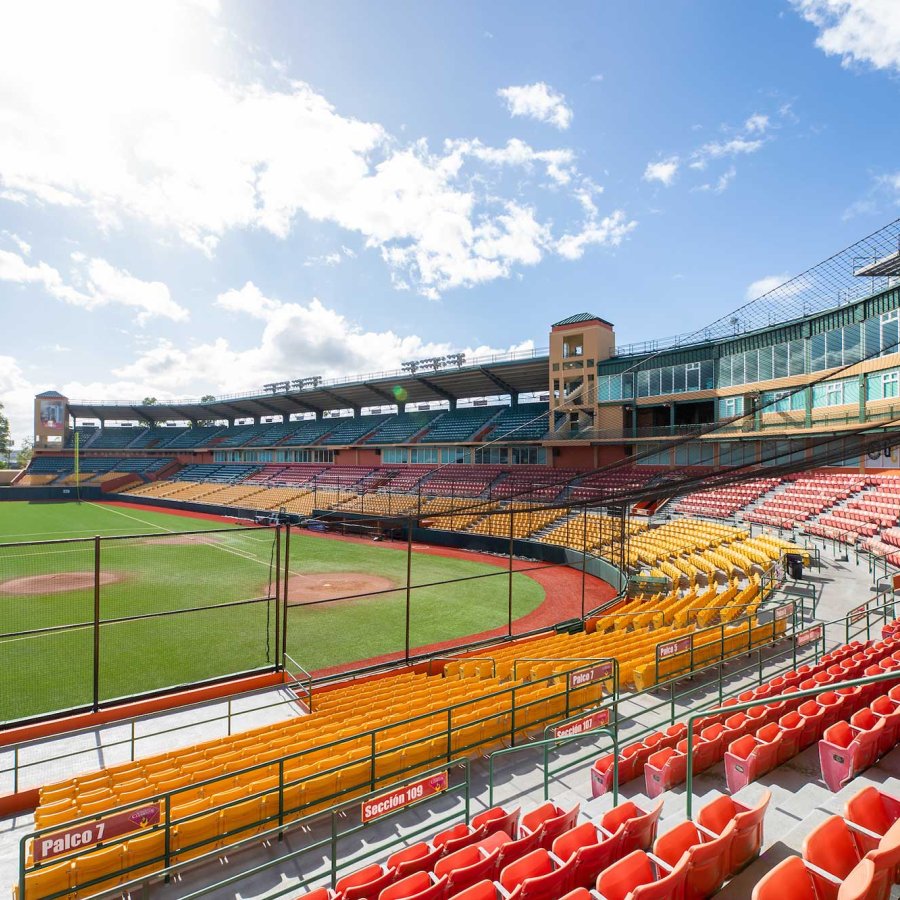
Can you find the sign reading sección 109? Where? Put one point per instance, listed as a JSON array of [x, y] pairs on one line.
[[410, 793], [596, 719], [809, 635], [72, 839], [589, 676]]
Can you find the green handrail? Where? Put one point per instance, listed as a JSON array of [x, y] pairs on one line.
[[761, 701], [604, 730]]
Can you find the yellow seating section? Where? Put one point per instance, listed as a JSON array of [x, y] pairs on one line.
[[525, 520], [34, 480]]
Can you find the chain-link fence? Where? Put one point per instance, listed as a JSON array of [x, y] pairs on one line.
[[83, 622]]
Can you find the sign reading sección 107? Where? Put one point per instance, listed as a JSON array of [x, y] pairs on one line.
[[72, 839], [404, 796], [589, 676], [809, 635], [597, 719]]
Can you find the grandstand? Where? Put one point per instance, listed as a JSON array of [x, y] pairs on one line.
[[691, 474]]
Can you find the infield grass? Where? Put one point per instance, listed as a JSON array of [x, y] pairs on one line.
[[192, 580]]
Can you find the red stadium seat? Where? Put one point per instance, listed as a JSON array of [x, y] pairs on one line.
[[708, 857], [791, 725], [366, 883], [634, 827], [663, 770], [846, 749], [790, 878], [419, 857], [813, 715], [889, 710], [716, 816], [549, 821], [497, 819], [638, 877], [466, 867], [873, 810], [591, 850], [458, 836], [830, 846], [417, 886], [534, 877]]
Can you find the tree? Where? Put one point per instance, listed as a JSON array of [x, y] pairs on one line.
[[207, 398], [24, 455], [147, 401], [5, 439]]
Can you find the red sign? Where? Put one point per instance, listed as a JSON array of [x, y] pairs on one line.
[[784, 611], [672, 647], [896, 582], [411, 793], [809, 636], [597, 719], [589, 676], [50, 845], [858, 612]]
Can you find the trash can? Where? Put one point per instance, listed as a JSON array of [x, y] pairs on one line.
[[794, 563]]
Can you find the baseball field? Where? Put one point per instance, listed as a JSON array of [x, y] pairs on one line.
[[176, 607]]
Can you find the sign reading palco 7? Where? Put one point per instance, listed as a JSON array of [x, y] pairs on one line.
[[410, 793], [597, 719], [589, 676], [59, 842]]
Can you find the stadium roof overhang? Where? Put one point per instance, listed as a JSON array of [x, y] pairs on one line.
[[886, 266], [486, 379]]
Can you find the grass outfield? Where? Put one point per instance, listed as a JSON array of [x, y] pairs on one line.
[[51, 671]]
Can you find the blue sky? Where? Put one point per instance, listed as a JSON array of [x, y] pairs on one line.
[[202, 197]]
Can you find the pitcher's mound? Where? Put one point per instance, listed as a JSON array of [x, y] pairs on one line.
[[55, 584], [330, 585]]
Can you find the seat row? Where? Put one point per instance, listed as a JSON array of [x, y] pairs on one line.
[[849, 857], [548, 856], [666, 751]]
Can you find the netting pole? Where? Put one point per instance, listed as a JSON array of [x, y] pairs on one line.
[[96, 623], [409, 530], [284, 593], [509, 600], [278, 658], [583, 558]]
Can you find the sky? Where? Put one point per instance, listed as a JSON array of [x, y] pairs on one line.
[[201, 197]]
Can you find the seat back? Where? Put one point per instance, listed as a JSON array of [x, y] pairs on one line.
[[533, 864], [874, 811], [831, 847], [622, 877], [790, 878], [748, 832], [639, 828]]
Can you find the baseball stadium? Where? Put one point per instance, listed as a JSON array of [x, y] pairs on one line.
[[587, 621]]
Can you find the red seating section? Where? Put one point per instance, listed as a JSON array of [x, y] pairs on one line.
[[611, 855]]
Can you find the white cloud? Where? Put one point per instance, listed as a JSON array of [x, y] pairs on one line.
[[537, 101], [764, 285], [172, 142], [96, 283], [597, 78], [663, 171], [721, 183], [609, 231], [756, 124], [296, 340], [17, 396], [23, 246], [718, 149], [865, 31]]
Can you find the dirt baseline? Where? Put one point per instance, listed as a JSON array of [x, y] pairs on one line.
[[330, 585], [56, 584]]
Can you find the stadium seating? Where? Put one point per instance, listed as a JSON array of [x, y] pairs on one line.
[[402, 428], [457, 426], [525, 422], [350, 430]]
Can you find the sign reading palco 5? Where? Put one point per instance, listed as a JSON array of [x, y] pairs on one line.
[[50, 845], [411, 793]]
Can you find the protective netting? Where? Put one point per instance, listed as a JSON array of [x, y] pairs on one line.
[[85, 621]]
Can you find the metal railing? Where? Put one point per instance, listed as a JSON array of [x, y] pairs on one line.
[[324, 851], [740, 707], [378, 762]]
